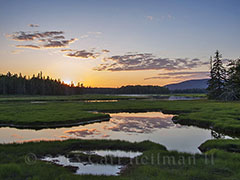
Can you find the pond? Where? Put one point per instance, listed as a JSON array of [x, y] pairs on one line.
[[114, 153], [153, 126], [133, 97], [178, 98], [163, 97], [86, 168]]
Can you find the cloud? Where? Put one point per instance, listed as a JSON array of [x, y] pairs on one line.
[[146, 61], [33, 25], [139, 124], [83, 132], [150, 18], [58, 44], [181, 75], [16, 136], [105, 51], [47, 39], [28, 46], [84, 36], [95, 33], [58, 37], [161, 18], [23, 36], [66, 50], [169, 16], [184, 73], [83, 54], [17, 51]]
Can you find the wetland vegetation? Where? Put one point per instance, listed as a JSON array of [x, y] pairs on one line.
[[155, 162], [220, 116]]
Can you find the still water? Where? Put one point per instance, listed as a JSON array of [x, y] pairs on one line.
[[153, 126], [114, 153], [86, 168]]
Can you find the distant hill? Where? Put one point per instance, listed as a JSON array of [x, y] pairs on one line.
[[190, 84]]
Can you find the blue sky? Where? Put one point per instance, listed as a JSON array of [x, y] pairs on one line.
[[165, 30]]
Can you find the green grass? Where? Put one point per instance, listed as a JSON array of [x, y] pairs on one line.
[[230, 145], [197, 95], [220, 116], [44, 115], [153, 164], [17, 98]]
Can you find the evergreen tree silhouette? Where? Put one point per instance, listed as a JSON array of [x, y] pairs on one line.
[[218, 77]]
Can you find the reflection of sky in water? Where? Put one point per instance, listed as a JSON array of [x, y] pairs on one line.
[[91, 101], [115, 153], [138, 124], [86, 168], [153, 126]]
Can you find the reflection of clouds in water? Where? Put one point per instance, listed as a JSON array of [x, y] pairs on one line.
[[36, 140], [83, 132], [16, 136], [105, 135], [127, 123], [63, 137], [139, 124]]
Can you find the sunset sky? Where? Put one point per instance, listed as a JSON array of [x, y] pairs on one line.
[[110, 43]]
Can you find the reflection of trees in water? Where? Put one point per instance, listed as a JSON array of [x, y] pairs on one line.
[[217, 135]]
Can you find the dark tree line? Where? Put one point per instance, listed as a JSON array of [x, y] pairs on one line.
[[35, 85], [128, 90], [225, 81], [44, 85], [143, 90], [41, 85], [189, 91]]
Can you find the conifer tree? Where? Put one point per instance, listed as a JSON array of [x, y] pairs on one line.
[[218, 76], [232, 86]]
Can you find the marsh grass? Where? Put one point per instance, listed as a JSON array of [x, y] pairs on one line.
[[230, 145], [220, 116], [13, 163], [27, 98]]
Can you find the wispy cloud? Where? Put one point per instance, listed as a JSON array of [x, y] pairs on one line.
[[66, 50], [184, 73], [58, 44], [28, 46], [83, 132], [54, 39], [33, 25], [95, 33], [105, 51], [58, 37], [41, 40], [24, 36], [150, 18], [84, 36], [161, 18], [181, 75], [17, 51], [146, 61], [83, 54]]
